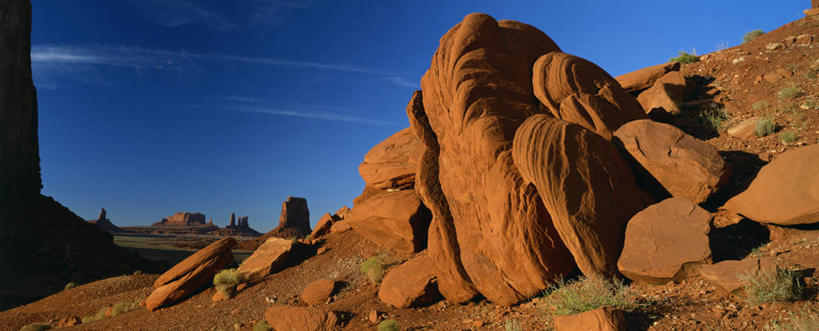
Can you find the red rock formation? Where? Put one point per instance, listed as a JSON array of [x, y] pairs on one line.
[[411, 284], [490, 232], [181, 219], [103, 223], [391, 164], [396, 220], [266, 259], [605, 318], [318, 292], [642, 79]]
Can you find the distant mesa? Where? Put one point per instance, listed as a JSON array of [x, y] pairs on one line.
[[103, 223], [182, 219], [293, 222]]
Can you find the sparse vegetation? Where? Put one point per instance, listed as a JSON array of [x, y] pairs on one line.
[[759, 105], [262, 325], [111, 311], [787, 136], [512, 325], [685, 57], [69, 286], [774, 285], [764, 127], [226, 281], [389, 325], [757, 251], [712, 118], [752, 35], [137, 272], [803, 321], [587, 294], [789, 92], [100, 314], [812, 73], [36, 327], [373, 268]]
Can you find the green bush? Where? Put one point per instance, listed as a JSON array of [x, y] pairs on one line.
[[789, 92], [759, 105], [262, 326], [774, 285], [787, 136], [69, 286], [752, 35], [685, 58], [100, 314], [123, 307], [226, 281], [36, 327], [373, 268], [764, 127], [512, 325], [587, 294], [804, 321], [713, 117], [389, 325]]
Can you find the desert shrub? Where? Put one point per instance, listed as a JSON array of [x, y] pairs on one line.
[[812, 73], [803, 321], [100, 314], [262, 325], [752, 35], [36, 327], [789, 92], [774, 285], [587, 294], [512, 325], [712, 118], [389, 325], [373, 268], [787, 136], [685, 58], [137, 272], [764, 127], [759, 105], [226, 281], [69, 286], [123, 307]]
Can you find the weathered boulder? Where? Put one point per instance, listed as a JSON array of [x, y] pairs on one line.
[[411, 284], [397, 220], [665, 241], [318, 291], [342, 212], [644, 78], [323, 226], [490, 232], [266, 259], [605, 318], [340, 226], [191, 274], [392, 163], [291, 318], [668, 93], [580, 92], [586, 186], [785, 192], [685, 166], [727, 275], [744, 129]]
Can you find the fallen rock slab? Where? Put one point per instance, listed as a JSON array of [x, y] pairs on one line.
[[685, 166], [601, 319], [325, 223], [392, 163], [744, 129], [785, 192], [266, 259], [282, 317], [191, 274], [412, 284], [396, 220], [318, 291], [664, 241], [667, 94], [646, 77], [727, 275]]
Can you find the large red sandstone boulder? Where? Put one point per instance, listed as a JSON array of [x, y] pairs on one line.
[[266, 259], [728, 275], [193, 273], [685, 166], [667, 94], [605, 318], [411, 284], [665, 241], [491, 233], [586, 186], [291, 318], [323, 226], [785, 192], [396, 219], [644, 78], [392, 163], [580, 92], [318, 291]]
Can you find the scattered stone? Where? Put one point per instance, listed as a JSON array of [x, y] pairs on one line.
[[664, 241], [266, 259], [601, 319], [397, 220], [644, 78], [774, 46], [68, 321], [725, 275], [323, 226], [411, 284], [282, 317], [318, 292], [374, 316], [666, 94], [340, 226], [191, 274], [392, 163], [784, 192], [685, 166], [745, 129]]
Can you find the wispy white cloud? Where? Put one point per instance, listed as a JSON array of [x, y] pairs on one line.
[[276, 12], [314, 112], [398, 80], [182, 12]]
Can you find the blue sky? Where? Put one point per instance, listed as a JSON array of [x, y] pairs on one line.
[[148, 107]]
